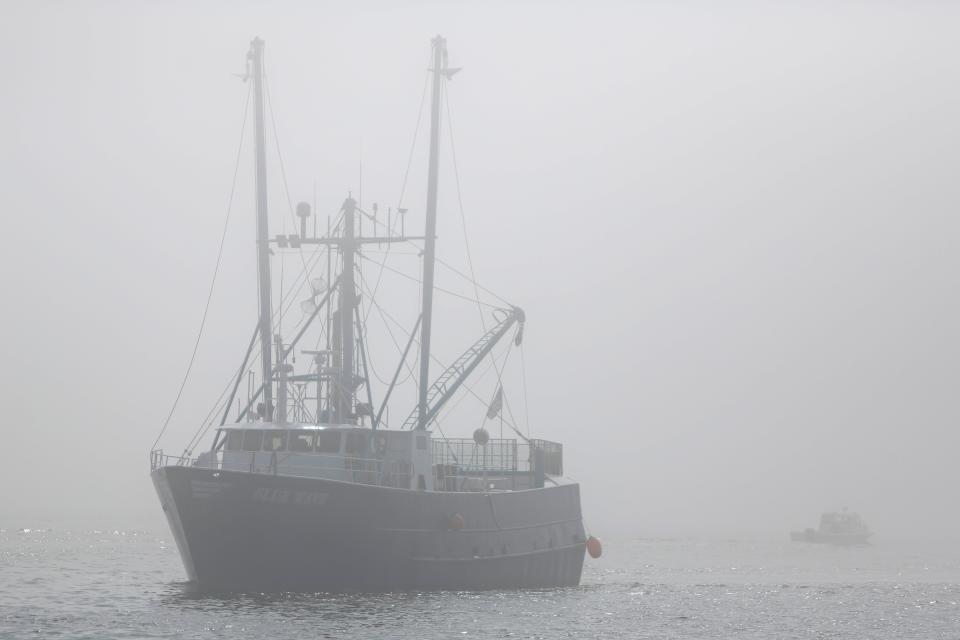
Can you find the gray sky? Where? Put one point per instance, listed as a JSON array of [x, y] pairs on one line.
[[733, 232]]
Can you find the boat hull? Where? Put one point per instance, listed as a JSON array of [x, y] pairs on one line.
[[842, 539], [240, 531]]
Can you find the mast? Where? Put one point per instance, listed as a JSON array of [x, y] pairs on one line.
[[341, 377], [346, 384], [255, 71], [439, 64]]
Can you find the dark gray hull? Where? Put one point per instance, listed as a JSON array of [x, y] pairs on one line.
[[248, 531], [841, 539]]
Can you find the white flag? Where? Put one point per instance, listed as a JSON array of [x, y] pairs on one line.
[[496, 404]]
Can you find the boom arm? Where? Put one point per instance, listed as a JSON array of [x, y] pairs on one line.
[[450, 380]]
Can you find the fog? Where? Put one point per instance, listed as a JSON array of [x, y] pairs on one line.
[[733, 233]]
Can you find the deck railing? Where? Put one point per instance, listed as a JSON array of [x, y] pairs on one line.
[[498, 455], [350, 469], [456, 462]]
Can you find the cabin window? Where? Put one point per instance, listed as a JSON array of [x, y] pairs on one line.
[[328, 442], [251, 440], [234, 440], [356, 442], [274, 440], [301, 442]]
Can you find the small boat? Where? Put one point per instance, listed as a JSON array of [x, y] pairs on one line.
[[840, 528]]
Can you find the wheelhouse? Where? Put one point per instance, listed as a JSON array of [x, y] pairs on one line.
[[406, 459]]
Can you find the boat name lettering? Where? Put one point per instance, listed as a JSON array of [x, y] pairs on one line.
[[287, 496]]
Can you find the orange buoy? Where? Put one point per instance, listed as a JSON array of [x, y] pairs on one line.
[[456, 522], [594, 548]]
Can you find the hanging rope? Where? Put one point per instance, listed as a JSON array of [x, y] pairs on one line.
[[216, 271]]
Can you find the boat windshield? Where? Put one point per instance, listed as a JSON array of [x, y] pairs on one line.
[[251, 440], [234, 440], [274, 440], [329, 442], [301, 442], [356, 442], [295, 441]]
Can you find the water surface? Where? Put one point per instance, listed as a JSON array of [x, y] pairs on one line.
[[129, 584]]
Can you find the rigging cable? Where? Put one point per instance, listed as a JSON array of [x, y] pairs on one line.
[[419, 252], [526, 400], [466, 242], [283, 171], [435, 359], [440, 289], [403, 190], [373, 302], [216, 270], [413, 145], [278, 313], [463, 216], [287, 299], [410, 372]]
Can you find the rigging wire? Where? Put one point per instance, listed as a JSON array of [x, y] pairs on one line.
[[287, 298], [364, 332], [382, 267], [419, 252], [413, 144], [446, 410], [473, 281], [373, 302], [510, 423], [283, 171], [523, 378], [466, 241], [463, 216], [209, 419], [278, 313], [216, 271], [440, 289], [403, 191]]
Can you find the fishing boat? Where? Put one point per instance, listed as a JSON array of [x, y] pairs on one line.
[[304, 484], [838, 528]]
